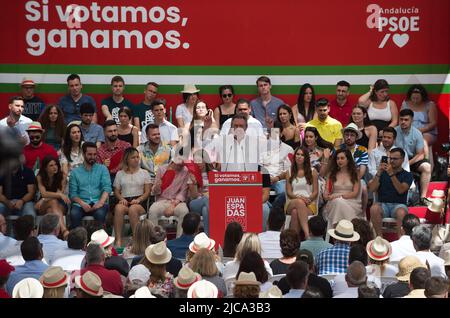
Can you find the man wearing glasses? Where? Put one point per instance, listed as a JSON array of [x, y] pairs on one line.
[[391, 182]]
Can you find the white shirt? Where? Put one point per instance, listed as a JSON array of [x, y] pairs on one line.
[[168, 131], [276, 159], [350, 292], [237, 155], [11, 250], [375, 159], [50, 245], [436, 263], [232, 267], [401, 248], [270, 244], [340, 286], [69, 259], [254, 127], [21, 126]]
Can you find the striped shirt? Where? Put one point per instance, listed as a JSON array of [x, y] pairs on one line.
[[333, 260], [360, 155]]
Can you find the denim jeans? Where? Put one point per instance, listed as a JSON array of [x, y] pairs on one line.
[[201, 206], [279, 187], [77, 214], [27, 209], [266, 210]]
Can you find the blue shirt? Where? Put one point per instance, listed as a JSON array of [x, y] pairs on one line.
[[6, 242], [315, 245], [333, 260], [410, 141], [260, 112], [93, 133], [31, 269], [89, 185], [50, 245], [387, 192], [180, 246], [71, 108], [294, 293]]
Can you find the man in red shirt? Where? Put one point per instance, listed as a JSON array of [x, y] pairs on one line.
[[341, 107], [5, 270], [95, 262], [111, 152], [37, 150]]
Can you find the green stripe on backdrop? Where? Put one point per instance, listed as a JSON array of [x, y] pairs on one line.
[[212, 89], [226, 70]]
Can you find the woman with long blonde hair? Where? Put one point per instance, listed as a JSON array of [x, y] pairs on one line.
[[131, 189]]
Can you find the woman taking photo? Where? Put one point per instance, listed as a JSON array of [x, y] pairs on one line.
[[343, 190], [305, 109], [369, 131], [318, 148], [290, 134], [131, 189], [302, 188], [382, 111], [52, 187], [203, 125], [72, 155], [227, 109], [127, 132], [52, 121]]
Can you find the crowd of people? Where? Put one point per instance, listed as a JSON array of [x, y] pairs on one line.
[[324, 164]]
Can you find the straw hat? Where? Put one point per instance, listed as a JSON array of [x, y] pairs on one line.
[[245, 278], [190, 89], [28, 288], [379, 249], [344, 232], [158, 253], [54, 277], [354, 128], [201, 240], [186, 277], [406, 266], [139, 273], [142, 292], [272, 292], [102, 238], [437, 194], [35, 126], [436, 205], [203, 289], [90, 283], [27, 82]]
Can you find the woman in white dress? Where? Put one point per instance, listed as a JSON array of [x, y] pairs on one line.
[[301, 191]]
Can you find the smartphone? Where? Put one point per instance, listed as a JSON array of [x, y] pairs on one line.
[[384, 159]]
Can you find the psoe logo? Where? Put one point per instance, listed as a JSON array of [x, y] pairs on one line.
[[394, 23], [236, 210]]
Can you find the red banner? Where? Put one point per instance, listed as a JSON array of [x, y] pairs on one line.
[[234, 197]]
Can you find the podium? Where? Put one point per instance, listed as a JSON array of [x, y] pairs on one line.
[[234, 197]]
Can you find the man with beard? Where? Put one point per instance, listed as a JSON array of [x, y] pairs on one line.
[[111, 152], [341, 107], [16, 120], [37, 149], [154, 152], [168, 131], [92, 132], [329, 128], [70, 103], [89, 188]]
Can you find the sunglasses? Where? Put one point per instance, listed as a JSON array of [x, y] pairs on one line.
[[226, 95]]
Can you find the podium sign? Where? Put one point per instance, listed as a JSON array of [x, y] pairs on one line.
[[234, 197]]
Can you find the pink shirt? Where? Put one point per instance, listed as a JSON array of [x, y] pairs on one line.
[[177, 190]]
